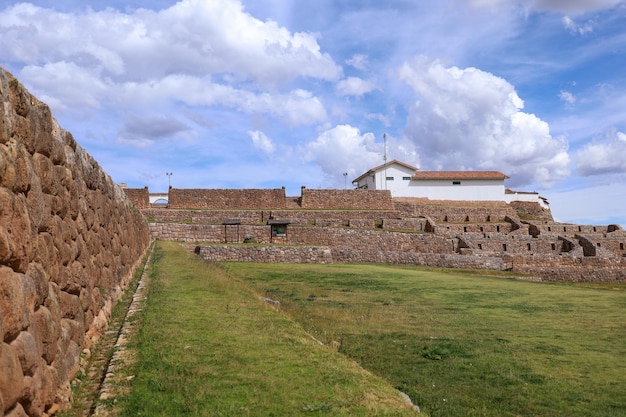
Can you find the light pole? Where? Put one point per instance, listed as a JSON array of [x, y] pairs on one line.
[[169, 179], [345, 180]]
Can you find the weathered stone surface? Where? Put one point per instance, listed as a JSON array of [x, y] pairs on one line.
[[11, 377], [65, 230], [27, 351], [17, 411], [14, 304]]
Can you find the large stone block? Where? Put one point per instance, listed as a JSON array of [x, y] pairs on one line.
[[11, 377], [15, 305], [28, 352]]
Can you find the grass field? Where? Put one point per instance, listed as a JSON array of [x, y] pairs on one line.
[[459, 343], [462, 344], [208, 346]]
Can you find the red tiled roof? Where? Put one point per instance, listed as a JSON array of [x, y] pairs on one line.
[[458, 175]]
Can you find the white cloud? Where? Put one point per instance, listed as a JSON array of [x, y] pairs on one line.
[[606, 156], [261, 141], [567, 97], [576, 29], [193, 37], [565, 6], [344, 149], [470, 119], [65, 85], [358, 61], [355, 86]]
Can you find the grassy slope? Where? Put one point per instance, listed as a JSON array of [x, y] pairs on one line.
[[505, 347], [209, 347]]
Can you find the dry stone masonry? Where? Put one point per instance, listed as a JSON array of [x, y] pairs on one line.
[[70, 240], [366, 226]]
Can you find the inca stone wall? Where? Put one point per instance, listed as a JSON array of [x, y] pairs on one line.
[[69, 243], [347, 199], [227, 199], [139, 196], [262, 216]]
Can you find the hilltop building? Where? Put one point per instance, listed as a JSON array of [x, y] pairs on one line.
[[404, 180]]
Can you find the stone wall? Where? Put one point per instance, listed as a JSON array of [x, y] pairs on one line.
[[139, 196], [529, 210], [228, 199], [571, 268], [455, 211], [347, 199], [356, 239], [69, 243], [268, 254], [323, 254], [262, 216]]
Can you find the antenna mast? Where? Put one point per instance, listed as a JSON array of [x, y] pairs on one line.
[[385, 157]]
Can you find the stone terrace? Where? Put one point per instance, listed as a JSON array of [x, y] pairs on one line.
[[461, 234]]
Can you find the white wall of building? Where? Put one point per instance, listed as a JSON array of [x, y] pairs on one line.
[[470, 190], [394, 178]]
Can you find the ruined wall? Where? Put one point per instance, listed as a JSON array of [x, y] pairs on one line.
[[455, 211], [227, 199], [323, 254], [139, 196], [262, 216], [529, 210], [571, 268], [69, 243], [357, 239], [347, 199]]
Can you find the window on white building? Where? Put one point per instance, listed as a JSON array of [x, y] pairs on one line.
[[406, 178], [456, 182], [389, 178]]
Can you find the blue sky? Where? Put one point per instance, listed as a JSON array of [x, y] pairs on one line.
[[271, 93]]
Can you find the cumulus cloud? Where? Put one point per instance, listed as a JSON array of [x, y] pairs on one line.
[[344, 149], [355, 86], [142, 131], [606, 156], [209, 47], [192, 36], [470, 119], [261, 141], [65, 85]]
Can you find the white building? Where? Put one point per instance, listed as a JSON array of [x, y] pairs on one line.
[[404, 180]]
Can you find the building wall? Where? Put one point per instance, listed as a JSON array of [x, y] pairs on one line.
[[473, 190], [397, 186]]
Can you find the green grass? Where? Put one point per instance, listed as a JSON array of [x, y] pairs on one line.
[[208, 346], [464, 344]]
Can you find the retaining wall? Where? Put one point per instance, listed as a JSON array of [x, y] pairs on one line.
[[227, 199], [347, 199], [70, 241], [455, 211], [357, 239]]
